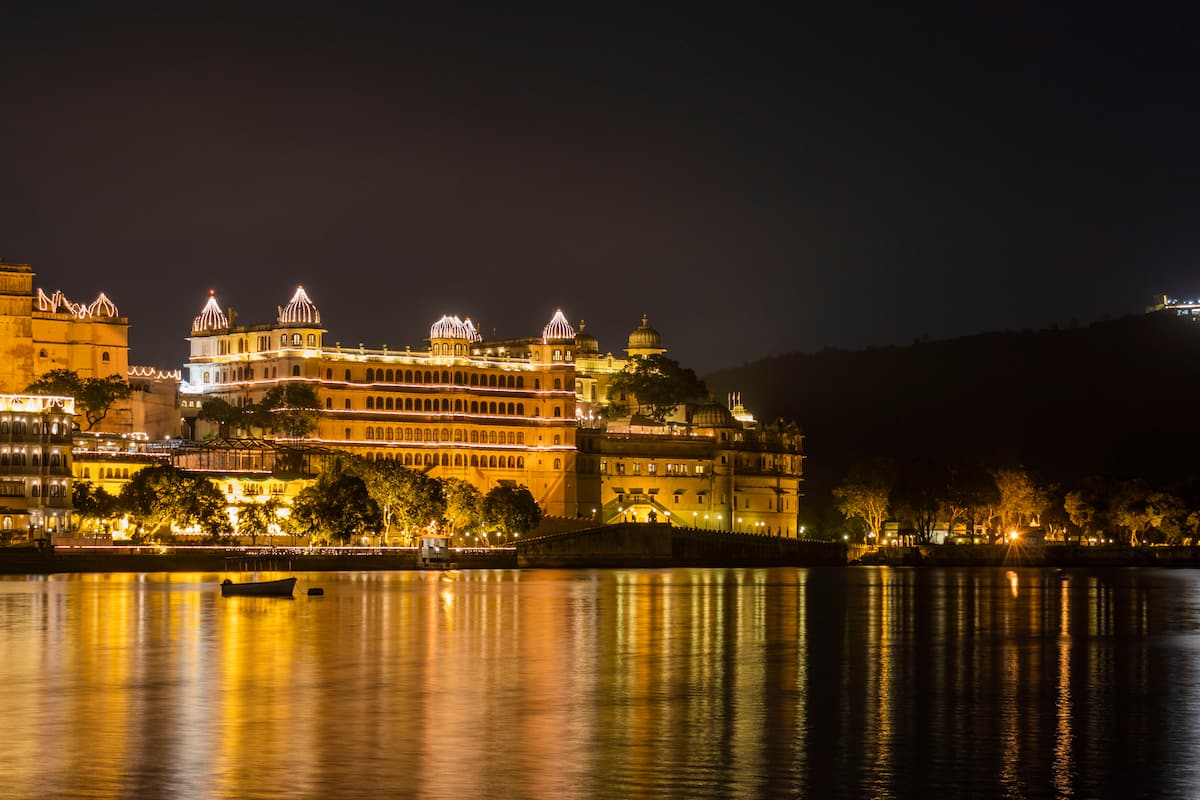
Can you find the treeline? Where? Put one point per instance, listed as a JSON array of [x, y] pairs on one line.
[[1116, 398], [921, 497], [354, 497]]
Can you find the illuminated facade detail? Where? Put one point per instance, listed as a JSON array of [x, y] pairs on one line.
[[1183, 308], [558, 328], [35, 464], [102, 307], [211, 317], [299, 310]]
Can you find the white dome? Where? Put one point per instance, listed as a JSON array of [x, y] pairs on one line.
[[211, 317], [558, 328], [102, 307], [449, 327], [300, 311]]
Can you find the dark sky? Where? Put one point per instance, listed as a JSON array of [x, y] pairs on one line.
[[757, 184]]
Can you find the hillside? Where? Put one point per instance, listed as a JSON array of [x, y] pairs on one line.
[[1116, 398]]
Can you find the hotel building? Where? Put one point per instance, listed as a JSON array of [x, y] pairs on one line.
[[525, 411]]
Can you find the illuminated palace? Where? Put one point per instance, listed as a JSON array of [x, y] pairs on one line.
[[517, 411]]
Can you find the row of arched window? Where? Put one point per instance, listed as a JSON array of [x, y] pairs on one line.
[[19, 459], [19, 427], [432, 404], [458, 460], [380, 433], [458, 378], [107, 473], [52, 490]]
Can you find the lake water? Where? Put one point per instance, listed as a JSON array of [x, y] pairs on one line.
[[695, 683]]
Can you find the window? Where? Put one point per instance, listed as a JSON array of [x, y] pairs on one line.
[[637, 468], [620, 467], [104, 357], [312, 340], [296, 371], [699, 469], [295, 340], [558, 383], [604, 465], [652, 468], [557, 411], [558, 463], [558, 438], [347, 402]]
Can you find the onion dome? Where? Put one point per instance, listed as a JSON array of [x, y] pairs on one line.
[[472, 334], [449, 327], [713, 415], [300, 311], [645, 338], [558, 328], [102, 307], [585, 343], [211, 317]]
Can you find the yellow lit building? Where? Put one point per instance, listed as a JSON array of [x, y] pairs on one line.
[[41, 332], [522, 411], [35, 464]]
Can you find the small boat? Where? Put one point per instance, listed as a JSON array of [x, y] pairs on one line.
[[280, 588]]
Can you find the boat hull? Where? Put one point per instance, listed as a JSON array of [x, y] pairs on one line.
[[280, 588]]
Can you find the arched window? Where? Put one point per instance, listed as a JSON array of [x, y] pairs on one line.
[[520, 381], [437, 348], [379, 403], [347, 402], [557, 411], [557, 355], [370, 433], [408, 404], [408, 376], [458, 376], [408, 459], [347, 375], [390, 376], [445, 459], [520, 462], [435, 434], [389, 404], [520, 437], [388, 434], [296, 371], [445, 376], [474, 437], [458, 459], [491, 408], [458, 434], [417, 376], [206, 377], [474, 461], [370, 374], [521, 409], [558, 438], [491, 380], [428, 377], [283, 340], [512, 462], [512, 382], [125, 472], [491, 461], [558, 383], [104, 357], [474, 381], [408, 434], [512, 409], [428, 435], [458, 405], [512, 438], [445, 434], [491, 437], [295, 340], [370, 403], [428, 404], [329, 402], [379, 433], [558, 463], [474, 407], [429, 459], [537, 384], [312, 340]]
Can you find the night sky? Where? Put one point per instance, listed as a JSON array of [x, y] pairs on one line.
[[757, 184]]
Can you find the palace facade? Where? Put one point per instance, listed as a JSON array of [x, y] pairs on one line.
[[526, 411]]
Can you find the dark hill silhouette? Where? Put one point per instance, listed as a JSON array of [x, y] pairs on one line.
[[1117, 398]]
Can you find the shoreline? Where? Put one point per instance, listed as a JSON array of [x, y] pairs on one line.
[[39, 561]]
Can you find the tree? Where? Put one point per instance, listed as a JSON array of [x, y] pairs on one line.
[[1019, 501], [865, 494], [228, 417], [94, 397], [1143, 511], [293, 409], [1082, 507], [970, 491], [256, 519], [91, 502], [658, 384], [511, 509], [160, 495], [918, 493], [406, 497], [337, 506], [464, 504]]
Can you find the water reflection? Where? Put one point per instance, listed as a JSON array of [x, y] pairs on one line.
[[655, 683]]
